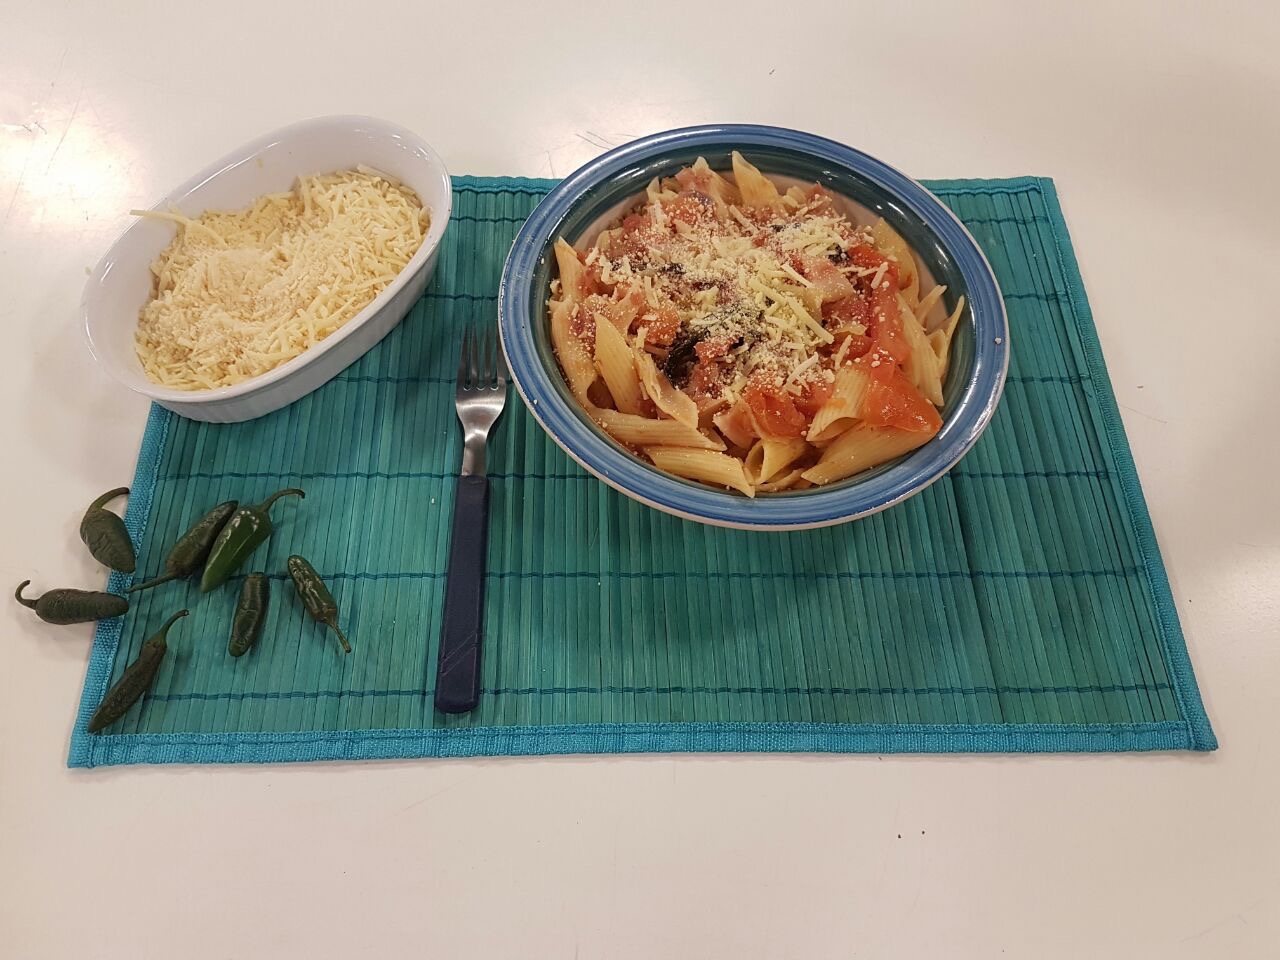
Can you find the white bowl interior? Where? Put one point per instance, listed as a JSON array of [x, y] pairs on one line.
[[120, 285]]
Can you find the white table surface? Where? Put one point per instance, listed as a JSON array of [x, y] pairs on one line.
[[1163, 133]]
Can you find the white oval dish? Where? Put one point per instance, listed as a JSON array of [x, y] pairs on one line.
[[120, 284]]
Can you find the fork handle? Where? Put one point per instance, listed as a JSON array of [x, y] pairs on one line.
[[458, 671]]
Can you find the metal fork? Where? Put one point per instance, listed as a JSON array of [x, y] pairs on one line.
[[480, 395]]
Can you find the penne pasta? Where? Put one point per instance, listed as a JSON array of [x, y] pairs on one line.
[[941, 339], [576, 362], [794, 198], [644, 431], [922, 363], [572, 272], [746, 336], [787, 481], [756, 189], [753, 461], [737, 425], [654, 193], [842, 406], [890, 242], [930, 300], [616, 366], [860, 448], [705, 465], [777, 455]]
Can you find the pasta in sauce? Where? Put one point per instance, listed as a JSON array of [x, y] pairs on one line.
[[749, 338]]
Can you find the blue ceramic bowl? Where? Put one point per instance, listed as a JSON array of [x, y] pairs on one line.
[[979, 352]]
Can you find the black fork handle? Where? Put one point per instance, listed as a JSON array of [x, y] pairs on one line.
[[458, 669]]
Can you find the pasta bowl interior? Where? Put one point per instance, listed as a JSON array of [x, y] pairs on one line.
[[122, 283], [753, 327]]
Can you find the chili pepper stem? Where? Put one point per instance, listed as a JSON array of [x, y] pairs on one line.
[[342, 638], [107, 497], [17, 595], [287, 492], [162, 633], [154, 582]]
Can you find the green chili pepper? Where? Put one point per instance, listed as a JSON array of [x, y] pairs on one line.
[[105, 535], [251, 611], [135, 680], [192, 548], [244, 533], [316, 596], [73, 606]]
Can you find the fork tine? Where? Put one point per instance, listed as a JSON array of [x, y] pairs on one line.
[[473, 355], [491, 360], [462, 357], [500, 364]]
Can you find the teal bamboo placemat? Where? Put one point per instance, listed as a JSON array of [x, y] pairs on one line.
[[1019, 604]]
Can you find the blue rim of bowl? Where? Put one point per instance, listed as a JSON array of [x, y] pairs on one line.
[[598, 454]]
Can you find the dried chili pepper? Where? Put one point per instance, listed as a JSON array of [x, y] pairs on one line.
[[192, 548], [73, 606], [135, 680], [104, 533], [316, 596], [251, 611]]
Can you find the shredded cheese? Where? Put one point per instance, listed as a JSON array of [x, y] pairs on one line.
[[237, 294]]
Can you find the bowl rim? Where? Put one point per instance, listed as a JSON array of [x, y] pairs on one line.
[[235, 158], [593, 450]]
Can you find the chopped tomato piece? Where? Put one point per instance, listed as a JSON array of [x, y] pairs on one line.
[[844, 313], [702, 180], [636, 223], [886, 324], [690, 206], [704, 383], [824, 203], [710, 349], [812, 397], [589, 280], [891, 400], [689, 179], [774, 410], [866, 256], [869, 258], [859, 345], [663, 325]]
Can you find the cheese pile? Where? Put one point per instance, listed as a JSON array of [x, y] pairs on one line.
[[734, 275], [237, 294]]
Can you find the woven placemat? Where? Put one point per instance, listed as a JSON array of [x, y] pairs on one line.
[[1019, 604]]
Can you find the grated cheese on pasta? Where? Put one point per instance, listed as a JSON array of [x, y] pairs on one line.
[[750, 289], [237, 294]]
